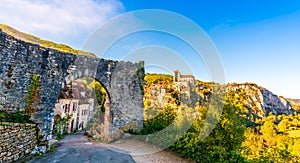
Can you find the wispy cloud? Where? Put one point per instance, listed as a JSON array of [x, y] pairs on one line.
[[57, 20]]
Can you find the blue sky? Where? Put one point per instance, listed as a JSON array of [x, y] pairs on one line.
[[258, 41]]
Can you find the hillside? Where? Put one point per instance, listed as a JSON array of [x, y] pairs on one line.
[[295, 103], [44, 43], [256, 100], [260, 101], [255, 125]]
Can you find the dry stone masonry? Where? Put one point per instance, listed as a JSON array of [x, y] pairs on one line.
[[16, 140], [20, 60]]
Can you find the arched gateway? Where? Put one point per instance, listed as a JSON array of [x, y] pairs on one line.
[[20, 60]]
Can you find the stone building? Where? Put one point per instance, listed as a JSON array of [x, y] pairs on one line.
[[186, 80], [64, 108], [75, 101], [183, 84], [156, 95]]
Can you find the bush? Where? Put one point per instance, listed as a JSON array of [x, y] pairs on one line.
[[14, 117], [159, 122]]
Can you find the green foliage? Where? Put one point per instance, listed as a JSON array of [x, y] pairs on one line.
[[274, 139], [32, 99], [147, 103], [239, 136], [65, 119], [59, 136], [53, 148], [14, 117], [159, 122], [100, 93], [158, 79], [62, 122], [47, 44], [223, 143], [296, 107]]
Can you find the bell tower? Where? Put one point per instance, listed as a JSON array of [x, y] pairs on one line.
[[176, 76]]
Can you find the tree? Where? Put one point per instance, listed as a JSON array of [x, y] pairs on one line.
[[100, 93]]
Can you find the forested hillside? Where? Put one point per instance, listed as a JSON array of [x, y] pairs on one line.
[[255, 125]]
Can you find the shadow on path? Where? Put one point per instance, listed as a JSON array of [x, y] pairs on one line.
[[77, 148]]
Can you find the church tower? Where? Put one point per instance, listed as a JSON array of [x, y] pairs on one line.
[[176, 76]]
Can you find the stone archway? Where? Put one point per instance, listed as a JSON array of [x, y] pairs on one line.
[[123, 82], [21, 60]]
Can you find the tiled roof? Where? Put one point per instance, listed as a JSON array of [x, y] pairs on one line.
[[75, 92], [186, 76]]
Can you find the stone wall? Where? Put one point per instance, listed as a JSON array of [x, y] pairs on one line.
[[20, 60], [16, 140]]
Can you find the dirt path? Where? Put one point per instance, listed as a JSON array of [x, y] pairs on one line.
[[77, 148], [143, 152]]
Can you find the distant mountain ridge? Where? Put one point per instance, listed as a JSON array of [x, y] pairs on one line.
[[44, 43]]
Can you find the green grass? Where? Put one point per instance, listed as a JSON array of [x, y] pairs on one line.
[[44, 43]]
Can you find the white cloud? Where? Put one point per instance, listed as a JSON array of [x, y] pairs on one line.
[[61, 21]]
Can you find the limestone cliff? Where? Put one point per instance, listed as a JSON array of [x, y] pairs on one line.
[[256, 100], [260, 101]]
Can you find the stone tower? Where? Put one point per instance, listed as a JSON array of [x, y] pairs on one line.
[[176, 76]]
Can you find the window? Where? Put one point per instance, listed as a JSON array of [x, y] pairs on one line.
[[74, 106], [66, 108], [84, 112]]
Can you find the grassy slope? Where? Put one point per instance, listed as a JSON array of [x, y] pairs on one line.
[[44, 43]]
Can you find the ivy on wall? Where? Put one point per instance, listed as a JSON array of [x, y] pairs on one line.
[[32, 99]]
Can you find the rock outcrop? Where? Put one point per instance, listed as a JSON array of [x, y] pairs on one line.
[[260, 101]]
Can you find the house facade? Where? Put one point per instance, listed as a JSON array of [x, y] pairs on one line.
[[73, 108], [67, 107]]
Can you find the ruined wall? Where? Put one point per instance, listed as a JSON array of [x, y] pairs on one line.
[[16, 140], [19, 60]]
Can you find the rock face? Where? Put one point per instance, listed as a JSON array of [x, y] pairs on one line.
[[261, 101], [20, 60]]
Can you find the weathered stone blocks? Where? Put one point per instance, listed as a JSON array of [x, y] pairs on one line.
[[16, 140], [19, 60]]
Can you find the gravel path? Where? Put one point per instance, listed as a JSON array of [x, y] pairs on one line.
[[143, 152], [77, 148]]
